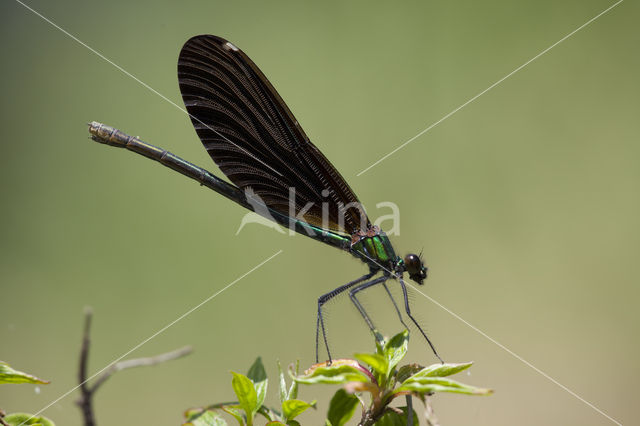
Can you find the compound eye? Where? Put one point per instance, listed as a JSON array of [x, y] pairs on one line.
[[413, 264]]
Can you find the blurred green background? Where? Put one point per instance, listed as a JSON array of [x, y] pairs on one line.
[[526, 201]]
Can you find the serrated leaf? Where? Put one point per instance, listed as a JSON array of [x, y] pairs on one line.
[[341, 408], [293, 423], [9, 375], [293, 390], [378, 363], [339, 372], [292, 408], [440, 370], [392, 418], [16, 419], [424, 385], [246, 393], [200, 417], [396, 348]]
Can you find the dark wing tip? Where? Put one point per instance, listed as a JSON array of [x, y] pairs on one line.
[[221, 42]]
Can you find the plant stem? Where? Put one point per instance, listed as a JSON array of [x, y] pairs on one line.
[[85, 402]]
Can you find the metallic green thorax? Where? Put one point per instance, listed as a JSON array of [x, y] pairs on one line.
[[372, 247], [375, 250]]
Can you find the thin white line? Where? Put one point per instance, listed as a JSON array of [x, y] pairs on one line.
[[155, 334], [490, 87], [128, 74], [515, 355], [500, 345]]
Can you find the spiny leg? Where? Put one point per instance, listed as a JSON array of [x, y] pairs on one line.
[[408, 310], [324, 299], [354, 299], [395, 306]]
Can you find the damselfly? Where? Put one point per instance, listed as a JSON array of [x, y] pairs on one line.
[[276, 171]]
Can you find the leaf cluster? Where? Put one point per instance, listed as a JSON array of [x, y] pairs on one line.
[[378, 375], [251, 391], [370, 380]]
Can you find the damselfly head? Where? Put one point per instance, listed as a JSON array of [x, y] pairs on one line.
[[415, 268]]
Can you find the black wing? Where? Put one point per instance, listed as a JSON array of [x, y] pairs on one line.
[[255, 140]]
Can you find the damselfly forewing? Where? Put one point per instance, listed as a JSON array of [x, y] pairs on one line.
[[255, 140]]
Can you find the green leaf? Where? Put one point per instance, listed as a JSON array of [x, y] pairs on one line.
[[200, 417], [424, 385], [339, 372], [380, 341], [246, 393], [293, 390], [379, 363], [392, 418], [293, 423], [256, 372], [407, 371], [440, 370], [258, 376], [341, 408], [294, 407], [269, 414], [283, 384], [275, 422], [261, 392], [396, 348], [235, 412], [16, 419], [9, 375]]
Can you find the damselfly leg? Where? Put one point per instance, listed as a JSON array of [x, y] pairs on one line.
[[408, 310], [324, 299], [395, 305]]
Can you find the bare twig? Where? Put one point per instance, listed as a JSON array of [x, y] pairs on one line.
[[432, 420], [85, 402], [140, 362]]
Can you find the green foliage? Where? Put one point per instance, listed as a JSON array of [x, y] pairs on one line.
[[258, 376], [203, 418], [294, 407], [11, 376], [376, 374], [16, 419], [384, 381], [251, 391], [341, 408], [247, 395], [340, 371], [394, 418]]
